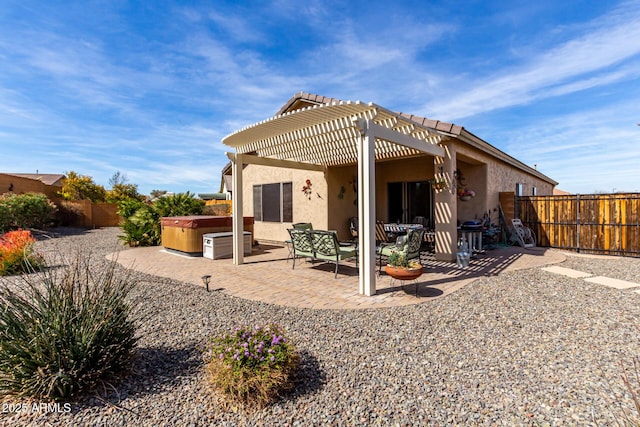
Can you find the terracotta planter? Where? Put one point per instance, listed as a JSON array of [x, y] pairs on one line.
[[401, 273]]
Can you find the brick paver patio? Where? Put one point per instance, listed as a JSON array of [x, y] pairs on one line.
[[268, 276]]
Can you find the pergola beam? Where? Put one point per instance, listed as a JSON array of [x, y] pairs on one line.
[[248, 159], [382, 132]]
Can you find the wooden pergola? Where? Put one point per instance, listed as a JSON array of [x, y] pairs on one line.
[[345, 133]]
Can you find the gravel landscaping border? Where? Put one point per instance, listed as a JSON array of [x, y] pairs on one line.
[[521, 348]]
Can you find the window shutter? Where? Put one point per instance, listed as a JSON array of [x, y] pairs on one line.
[[257, 202], [287, 202]]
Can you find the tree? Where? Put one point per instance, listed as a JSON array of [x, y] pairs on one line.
[[81, 187], [121, 189], [157, 193]]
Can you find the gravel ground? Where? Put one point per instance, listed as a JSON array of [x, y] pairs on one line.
[[522, 348]]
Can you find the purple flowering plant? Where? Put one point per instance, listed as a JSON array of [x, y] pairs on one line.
[[252, 365]]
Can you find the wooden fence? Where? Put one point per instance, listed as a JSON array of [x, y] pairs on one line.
[[595, 223], [92, 215]]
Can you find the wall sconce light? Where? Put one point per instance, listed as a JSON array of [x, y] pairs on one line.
[[206, 279]]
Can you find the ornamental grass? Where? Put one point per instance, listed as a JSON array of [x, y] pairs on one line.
[[64, 330], [252, 366]]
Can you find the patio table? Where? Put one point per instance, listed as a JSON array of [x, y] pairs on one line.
[[401, 228]]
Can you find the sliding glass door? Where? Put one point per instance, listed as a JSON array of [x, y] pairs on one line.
[[408, 200]]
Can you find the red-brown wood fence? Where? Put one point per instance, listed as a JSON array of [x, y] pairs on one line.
[[593, 223]]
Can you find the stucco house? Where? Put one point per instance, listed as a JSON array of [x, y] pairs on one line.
[[323, 160], [20, 183]]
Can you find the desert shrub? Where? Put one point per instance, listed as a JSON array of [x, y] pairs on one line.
[[30, 210], [64, 330], [16, 252], [252, 366], [128, 207], [142, 228]]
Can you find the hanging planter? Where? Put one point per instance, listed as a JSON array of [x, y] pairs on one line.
[[466, 194], [439, 184]]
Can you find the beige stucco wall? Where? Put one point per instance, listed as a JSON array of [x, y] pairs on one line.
[[483, 171], [341, 208], [330, 207], [313, 210]]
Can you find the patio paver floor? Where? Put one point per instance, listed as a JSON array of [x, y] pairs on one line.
[[268, 276]]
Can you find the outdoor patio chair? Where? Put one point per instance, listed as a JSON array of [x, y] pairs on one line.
[[327, 248], [381, 235], [409, 245], [303, 226], [301, 244], [289, 242], [353, 227]]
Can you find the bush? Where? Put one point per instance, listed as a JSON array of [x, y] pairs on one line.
[[252, 366], [142, 228], [64, 330], [16, 252], [30, 210], [141, 223], [178, 205]]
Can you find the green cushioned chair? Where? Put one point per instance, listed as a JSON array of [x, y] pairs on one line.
[[327, 248], [320, 245], [408, 245], [301, 242]]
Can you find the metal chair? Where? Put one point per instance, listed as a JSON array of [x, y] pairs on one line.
[[353, 227], [409, 245], [381, 234]]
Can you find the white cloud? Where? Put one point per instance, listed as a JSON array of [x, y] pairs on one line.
[[611, 40]]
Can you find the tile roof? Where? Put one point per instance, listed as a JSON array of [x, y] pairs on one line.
[[45, 178]]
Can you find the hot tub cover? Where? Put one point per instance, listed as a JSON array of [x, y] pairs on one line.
[[199, 221]]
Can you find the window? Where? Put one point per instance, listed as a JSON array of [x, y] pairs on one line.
[[519, 190], [273, 202], [534, 191]]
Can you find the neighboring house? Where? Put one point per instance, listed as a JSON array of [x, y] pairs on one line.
[[20, 183], [226, 183], [311, 162]]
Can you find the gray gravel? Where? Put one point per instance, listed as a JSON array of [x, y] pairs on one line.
[[522, 348]]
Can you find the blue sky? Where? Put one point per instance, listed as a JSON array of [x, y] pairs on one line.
[[149, 88]]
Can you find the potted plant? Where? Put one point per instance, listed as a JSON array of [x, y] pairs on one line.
[[400, 268]]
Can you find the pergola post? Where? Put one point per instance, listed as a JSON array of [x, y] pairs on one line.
[[367, 209], [236, 205], [446, 206]]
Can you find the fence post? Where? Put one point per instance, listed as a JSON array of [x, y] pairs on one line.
[[578, 216]]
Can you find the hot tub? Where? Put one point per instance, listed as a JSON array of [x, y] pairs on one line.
[[184, 233]]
